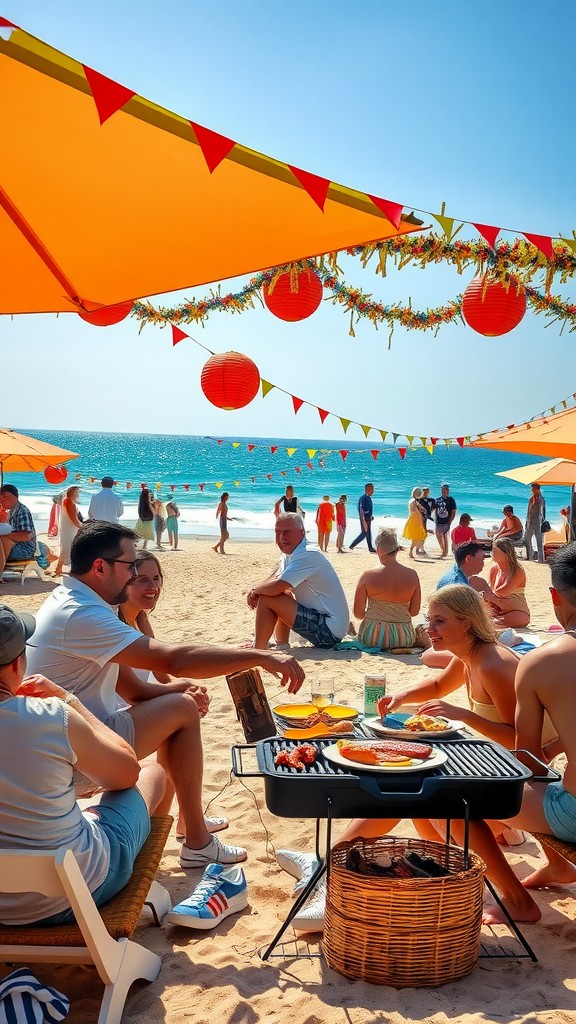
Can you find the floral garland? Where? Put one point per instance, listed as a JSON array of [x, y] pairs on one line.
[[520, 259]]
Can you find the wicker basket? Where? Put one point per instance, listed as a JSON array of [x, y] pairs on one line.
[[404, 932]]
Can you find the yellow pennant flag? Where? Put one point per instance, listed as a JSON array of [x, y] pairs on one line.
[[236, 444], [290, 451], [447, 224], [429, 448], [423, 439], [383, 434], [447, 441], [345, 423], [570, 242], [266, 387], [219, 484], [157, 487], [410, 439], [311, 452], [366, 429], [236, 483]]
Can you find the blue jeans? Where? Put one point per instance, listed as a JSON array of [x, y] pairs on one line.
[[364, 535], [533, 530]]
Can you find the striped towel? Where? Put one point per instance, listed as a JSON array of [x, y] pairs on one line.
[[24, 1000]]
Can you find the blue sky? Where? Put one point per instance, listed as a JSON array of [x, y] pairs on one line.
[[419, 103]]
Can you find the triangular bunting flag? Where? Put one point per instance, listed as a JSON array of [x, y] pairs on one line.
[[268, 476], [214, 147], [177, 335], [392, 211], [343, 453], [236, 483], [383, 434], [429, 448], [316, 187], [251, 447], [266, 387], [186, 487], [460, 441], [273, 448], [323, 414], [447, 441], [375, 452], [345, 423], [310, 466], [447, 225], [201, 486], [402, 452], [109, 96], [219, 484], [220, 441], [366, 429], [423, 439], [282, 472], [571, 243], [297, 403], [297, 469], [395, 437], [489, 233], [433, 440], [410, 439], [311, 452], [542, 242], [290, 451], [235, 444]]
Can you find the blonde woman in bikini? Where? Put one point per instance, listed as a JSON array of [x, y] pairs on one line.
[[504, 592]]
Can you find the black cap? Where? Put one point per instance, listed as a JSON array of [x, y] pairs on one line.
[[15, 630]]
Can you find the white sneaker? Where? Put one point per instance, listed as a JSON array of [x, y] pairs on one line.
[[300, 865], [311, 917], [213, 853]]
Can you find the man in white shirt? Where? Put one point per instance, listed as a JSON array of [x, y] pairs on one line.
[[81, 644], [304, 594], [106, 505]]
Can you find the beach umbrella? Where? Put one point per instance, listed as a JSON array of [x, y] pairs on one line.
[[559, 472], [22, 454], [106, 197], [553, 437]]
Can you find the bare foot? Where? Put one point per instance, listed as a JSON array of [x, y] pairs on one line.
[[215, 548], [562, 874], [528, 912]]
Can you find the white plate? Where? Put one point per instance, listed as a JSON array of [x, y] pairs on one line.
[[405, 734], [437, 757]]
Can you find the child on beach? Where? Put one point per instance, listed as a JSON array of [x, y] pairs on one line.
[[172, 516]]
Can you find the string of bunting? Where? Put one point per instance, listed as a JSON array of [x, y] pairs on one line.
[[422, 250]]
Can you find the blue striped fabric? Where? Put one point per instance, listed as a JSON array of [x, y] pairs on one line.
[[24, 1000]]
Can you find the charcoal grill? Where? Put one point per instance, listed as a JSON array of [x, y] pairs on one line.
[[479, 779]]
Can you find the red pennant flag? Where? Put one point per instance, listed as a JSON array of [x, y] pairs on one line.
[[201, 486], [4, 23], [282, 472], [542, 242], [344, 453], [268, 476], [128, 486], [251, 447], [375, 453], [186, 487], [220, 441], [297, 469], [297, 403], [510, 426], [488, 232], [310, 466], [323, 414], [109, 96], [433, 440], [177, 335], [402, 452], [92, 479], [274, 449], [392, 211], [172, 488], [316, 187], [460, 441], [214, 147]]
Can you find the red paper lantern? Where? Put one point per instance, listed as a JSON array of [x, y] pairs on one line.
[[108, 315], [55, 474], [492, 309], [230, 380], [298, 304]]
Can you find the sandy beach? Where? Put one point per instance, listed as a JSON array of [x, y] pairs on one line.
[[221, 971]]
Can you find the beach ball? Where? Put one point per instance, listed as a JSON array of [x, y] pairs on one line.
[[230, 380], [55, 474], [108, 315], [490, 308], [295, 295]]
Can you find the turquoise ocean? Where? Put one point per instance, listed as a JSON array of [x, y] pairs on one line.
[[176, 461]]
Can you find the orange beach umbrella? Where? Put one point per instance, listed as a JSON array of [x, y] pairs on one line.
[[549, 436], [105, 196], [21, 454]]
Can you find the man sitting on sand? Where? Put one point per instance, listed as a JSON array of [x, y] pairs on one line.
[[81, 644], [45, 733], [303, 594], [511, 526], [469, 561], [20, 543], [544, 683]]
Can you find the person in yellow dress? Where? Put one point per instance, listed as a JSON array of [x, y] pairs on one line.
[[414, 529]]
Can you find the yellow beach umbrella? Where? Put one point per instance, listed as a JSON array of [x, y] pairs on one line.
[[559, 472], [22, 454]]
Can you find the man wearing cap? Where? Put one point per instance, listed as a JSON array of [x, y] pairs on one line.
[[511, 526], [463, 533], [58, 735], [20, 542], [469, 561], [445, 510], [106, 505], [82, 644]]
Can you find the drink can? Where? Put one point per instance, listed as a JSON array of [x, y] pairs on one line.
[[374, 687]]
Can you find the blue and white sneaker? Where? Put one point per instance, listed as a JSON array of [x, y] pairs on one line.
[[220, 892]]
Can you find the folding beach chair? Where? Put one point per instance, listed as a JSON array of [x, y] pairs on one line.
[[102, 935]]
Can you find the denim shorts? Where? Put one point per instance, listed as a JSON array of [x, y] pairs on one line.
[[24, 549], [442, 528], [311, 625], [560, 811], [124, 818]]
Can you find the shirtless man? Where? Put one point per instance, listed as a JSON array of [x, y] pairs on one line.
[[511, 526], [544, 682]]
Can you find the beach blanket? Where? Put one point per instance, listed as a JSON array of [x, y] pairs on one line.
[[23, 1000]]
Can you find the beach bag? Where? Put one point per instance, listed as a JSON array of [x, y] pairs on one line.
[[545, 527], [421, 638], [42, 556]]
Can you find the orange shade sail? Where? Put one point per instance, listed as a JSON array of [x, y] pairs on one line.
[[93, 214], [550, 436]]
